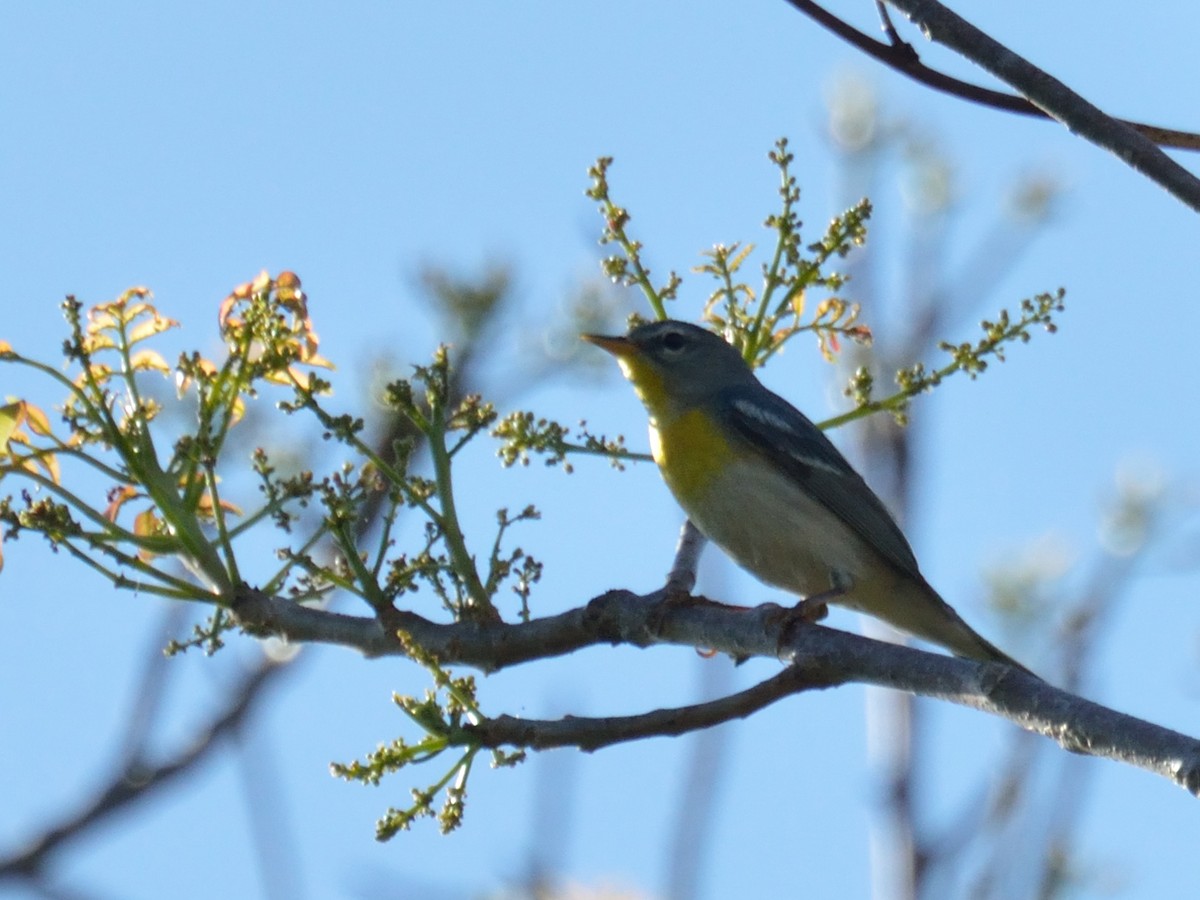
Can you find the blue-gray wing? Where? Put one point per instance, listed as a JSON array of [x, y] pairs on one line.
[[782, 434]]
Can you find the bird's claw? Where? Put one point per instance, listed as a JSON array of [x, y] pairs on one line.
[[811, 609]]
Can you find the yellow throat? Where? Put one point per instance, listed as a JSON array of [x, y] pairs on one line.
[[686, 443]]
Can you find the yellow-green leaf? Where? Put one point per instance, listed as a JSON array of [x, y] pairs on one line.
[[10, 418], [38, 422], [151, 327], [149, 359]]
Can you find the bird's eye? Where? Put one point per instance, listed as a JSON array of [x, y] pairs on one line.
[[673, 341]]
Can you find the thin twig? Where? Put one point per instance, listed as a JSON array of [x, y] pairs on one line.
[[901, 56], [1053, 97], [594, 733], [893, 36], [137, 781]]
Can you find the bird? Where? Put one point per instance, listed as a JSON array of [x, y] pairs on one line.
[[763, 483]]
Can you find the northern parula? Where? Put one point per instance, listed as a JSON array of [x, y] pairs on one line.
[[764, 483]]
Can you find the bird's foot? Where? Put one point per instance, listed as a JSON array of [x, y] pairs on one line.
[[814, 608], [671, 596], [808, 611]]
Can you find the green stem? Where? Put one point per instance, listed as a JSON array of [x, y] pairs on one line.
[[275, 582], [898, 399], [223, 537], [99, 409], [461, 559], [771, 278], [80, 506], [128, 375], [390, 473], [326, 573], [385, 535], [184, 526], [53, 373], [102, 468], [891, 403], [370, 592], [255, 517], [184, 591], [641, 277], [607, 454], [230, 383]]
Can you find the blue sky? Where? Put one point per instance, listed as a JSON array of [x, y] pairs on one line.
[[188, 147]]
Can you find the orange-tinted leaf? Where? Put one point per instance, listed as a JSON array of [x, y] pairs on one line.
[[117, 497], [317, 360], [96, 342], [100, 372], [226, 308], [49, 462], [38, 422], [103, 317], [205, 508], [140, 291], [147, 523], [238, 410], [151, 327], [183, 382], [311, 341]]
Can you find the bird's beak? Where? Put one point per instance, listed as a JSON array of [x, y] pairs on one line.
[[620, 347]]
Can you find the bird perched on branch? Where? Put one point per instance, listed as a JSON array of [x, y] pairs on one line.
[[764, 483]]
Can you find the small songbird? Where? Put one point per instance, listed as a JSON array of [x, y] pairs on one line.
[[764, 483]]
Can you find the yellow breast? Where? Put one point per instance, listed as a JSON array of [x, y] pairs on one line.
[[690, 453]]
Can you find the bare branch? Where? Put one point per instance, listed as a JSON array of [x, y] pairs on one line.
[[487, 646], [687, 558], [594, 733], [139, 779], [1044, 96], [823, 656], [1053, 97]]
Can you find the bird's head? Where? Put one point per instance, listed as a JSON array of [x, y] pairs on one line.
[[673, 365]]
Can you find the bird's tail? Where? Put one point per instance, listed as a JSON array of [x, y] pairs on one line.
[[924, 614]]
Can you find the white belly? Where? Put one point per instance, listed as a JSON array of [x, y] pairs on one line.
[[775, 531]]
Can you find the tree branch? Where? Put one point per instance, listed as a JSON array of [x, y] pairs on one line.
[[139, 779], [591, 734], [1053, 97], [687, 558], [822, 657], [1043, 96]]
